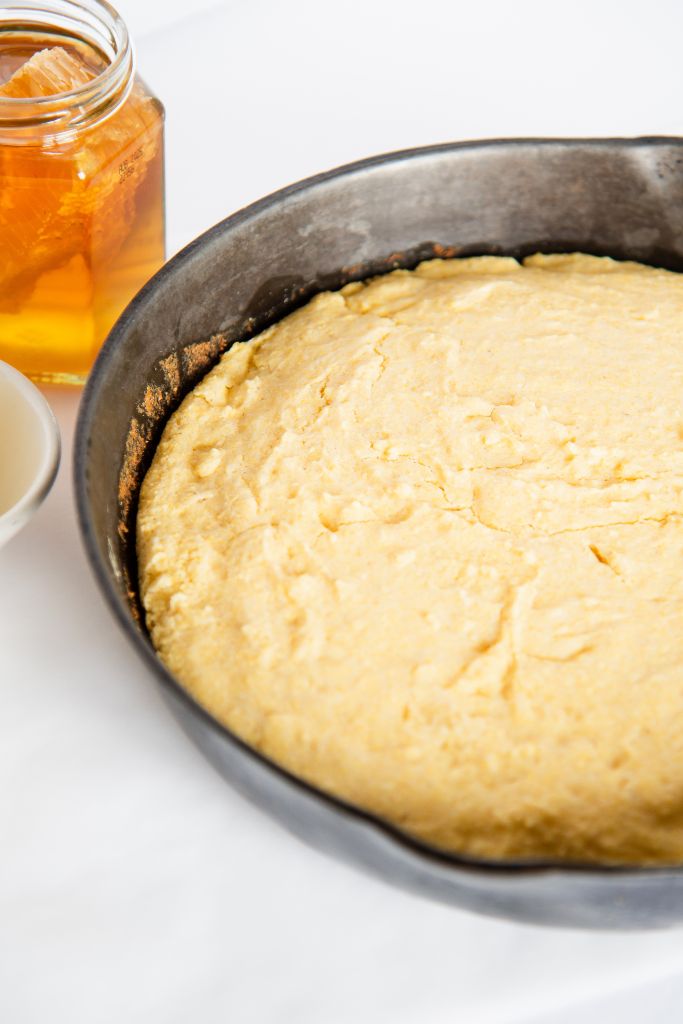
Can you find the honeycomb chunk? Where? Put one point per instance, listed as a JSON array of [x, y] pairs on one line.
[[47, 73], [79, 197]]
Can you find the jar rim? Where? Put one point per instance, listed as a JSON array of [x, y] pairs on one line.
[[25, 117]]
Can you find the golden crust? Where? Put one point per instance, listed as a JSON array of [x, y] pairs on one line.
[[421, 543]]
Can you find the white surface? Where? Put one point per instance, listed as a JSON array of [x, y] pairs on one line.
[[135, 886]]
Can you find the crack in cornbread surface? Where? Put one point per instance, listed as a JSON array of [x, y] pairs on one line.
[[421, 543]]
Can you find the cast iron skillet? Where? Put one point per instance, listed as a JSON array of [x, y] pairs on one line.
[[611, 196]]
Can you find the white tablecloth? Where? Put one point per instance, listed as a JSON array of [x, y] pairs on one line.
[[135, 886]]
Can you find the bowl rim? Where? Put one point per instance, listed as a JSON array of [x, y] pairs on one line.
[[21, 511], [412, 847]]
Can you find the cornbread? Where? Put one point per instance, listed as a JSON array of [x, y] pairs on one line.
[[421, 543]]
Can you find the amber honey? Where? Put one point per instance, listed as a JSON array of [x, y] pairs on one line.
[[81, 197]]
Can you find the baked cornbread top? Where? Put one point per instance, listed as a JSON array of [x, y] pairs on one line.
[[421, 543]]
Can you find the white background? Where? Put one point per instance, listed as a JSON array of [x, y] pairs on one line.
[[135, 886]]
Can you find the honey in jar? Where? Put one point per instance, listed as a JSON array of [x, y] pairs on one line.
[[81, 184]]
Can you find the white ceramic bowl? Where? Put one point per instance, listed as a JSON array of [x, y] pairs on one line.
[[29, 450]]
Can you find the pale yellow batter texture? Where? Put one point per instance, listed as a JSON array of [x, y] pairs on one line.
[[422, 544]]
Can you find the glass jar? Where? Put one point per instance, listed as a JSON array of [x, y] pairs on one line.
[[81, 183]]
